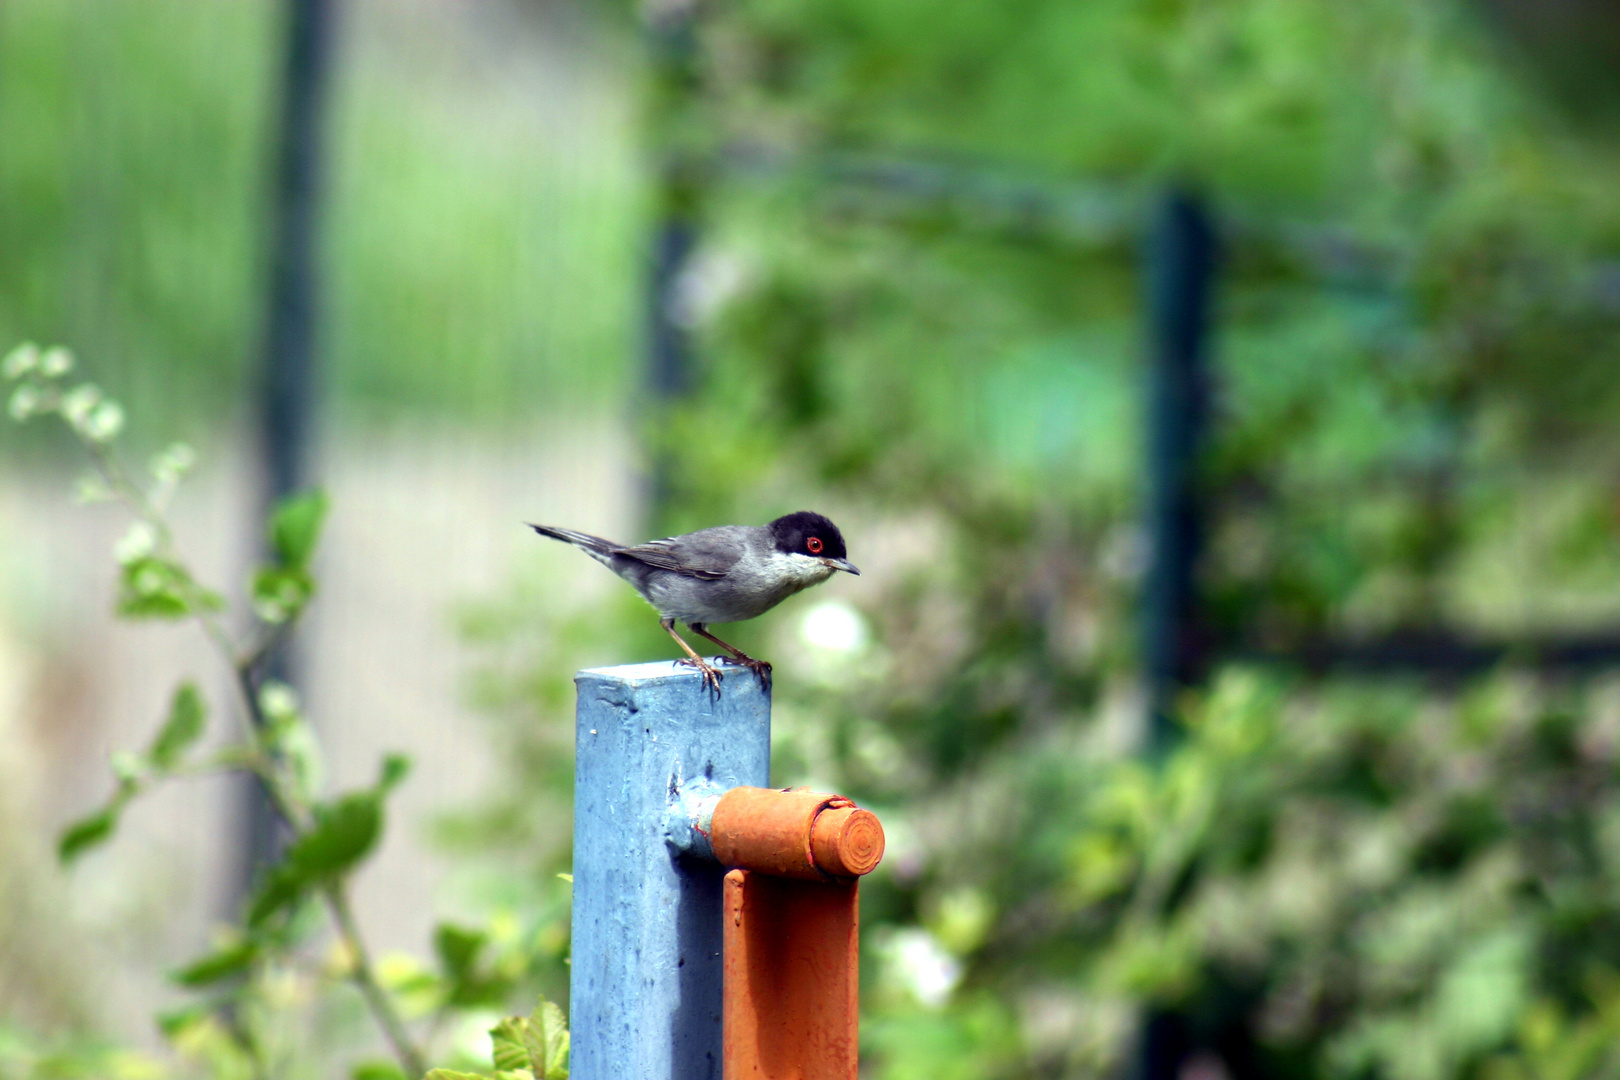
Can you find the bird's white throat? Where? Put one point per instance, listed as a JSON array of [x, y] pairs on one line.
[[802, 570]]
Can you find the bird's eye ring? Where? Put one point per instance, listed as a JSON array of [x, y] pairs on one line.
[[814, 545]]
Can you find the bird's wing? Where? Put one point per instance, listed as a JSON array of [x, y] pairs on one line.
[[706, 554]]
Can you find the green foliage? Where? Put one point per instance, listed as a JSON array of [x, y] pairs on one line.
[[184, 725], [281, 591], [295, 526], [229, 962], [343, 833], [377, 1070], [187, 715], [466, 979], [88, 832], [533, 1047], [929, 323], [329, 837]]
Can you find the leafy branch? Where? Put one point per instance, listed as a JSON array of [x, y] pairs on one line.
[[329, 836], [525, 1048]]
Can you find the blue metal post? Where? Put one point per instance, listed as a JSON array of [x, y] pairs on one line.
[[646, 969]]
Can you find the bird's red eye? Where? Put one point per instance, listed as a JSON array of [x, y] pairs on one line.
[[814, 545]]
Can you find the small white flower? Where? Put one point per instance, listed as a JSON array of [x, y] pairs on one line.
[[55, 362], [21, 360], [25, 401], [278, 700], [139, 542], [126, 766], [174, 462], [78, 402], [105, 421], [92, 489]]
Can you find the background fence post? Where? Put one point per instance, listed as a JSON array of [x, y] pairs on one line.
[[1181, 266], [645, 984], [288, 374]]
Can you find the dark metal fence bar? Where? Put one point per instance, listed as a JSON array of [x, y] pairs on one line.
[[288, 372]]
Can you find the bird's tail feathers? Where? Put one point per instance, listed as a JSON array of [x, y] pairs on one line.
[[594, 546]]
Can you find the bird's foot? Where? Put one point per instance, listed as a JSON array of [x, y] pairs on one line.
[[761, 668], [711, 674]]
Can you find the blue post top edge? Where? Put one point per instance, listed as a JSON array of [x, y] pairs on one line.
[[655, 671]]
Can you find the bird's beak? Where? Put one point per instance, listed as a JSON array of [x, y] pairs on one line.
[[842, 564]]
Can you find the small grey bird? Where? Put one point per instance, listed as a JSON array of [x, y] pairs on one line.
[[721, 575]]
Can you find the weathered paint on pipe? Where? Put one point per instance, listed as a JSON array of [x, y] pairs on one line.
[[792, 978], [792, 928], [797, 833], [645, 985]]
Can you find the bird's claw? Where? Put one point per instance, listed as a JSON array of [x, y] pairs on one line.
[[761, 668], [711, 674]]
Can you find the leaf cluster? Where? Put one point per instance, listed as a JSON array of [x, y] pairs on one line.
[[328, 837], [533, 1047]]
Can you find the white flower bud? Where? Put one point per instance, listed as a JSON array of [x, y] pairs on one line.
[[21, 360], [174, 462], [55, 362], [92, 489], [78, 402], [278, 700], [139, 542], [105, 421], [24, 402]]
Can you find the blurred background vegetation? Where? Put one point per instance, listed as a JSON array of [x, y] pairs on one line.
[[902, 281]]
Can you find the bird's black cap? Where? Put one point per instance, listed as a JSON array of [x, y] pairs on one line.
[[794, 533]]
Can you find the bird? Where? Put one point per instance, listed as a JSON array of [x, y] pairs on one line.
[[726, 574]]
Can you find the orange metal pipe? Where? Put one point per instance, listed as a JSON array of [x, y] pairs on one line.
[[797, 834], [792, 930], [792, 976]]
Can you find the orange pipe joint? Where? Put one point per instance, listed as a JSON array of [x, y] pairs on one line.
[[791, 932], [794, 834]]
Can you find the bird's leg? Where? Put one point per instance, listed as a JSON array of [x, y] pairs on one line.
[[762, 668], [711, 674]]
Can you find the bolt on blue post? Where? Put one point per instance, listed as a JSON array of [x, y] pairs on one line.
[[645, 984]]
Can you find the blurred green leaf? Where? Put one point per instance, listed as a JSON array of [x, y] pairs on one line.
[[88, 832], [173, 1022], [187, 715], [152, 587], [225, 963], [395, 768], [508, 1047], [458, 949], [381, 1070], [536, 1044], [546, 1039], [343, 834], [280, 594], [295, 527]]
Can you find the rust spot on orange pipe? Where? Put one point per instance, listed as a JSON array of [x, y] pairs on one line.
[[792, 975]]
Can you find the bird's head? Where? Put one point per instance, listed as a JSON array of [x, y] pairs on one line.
[[809, 535]]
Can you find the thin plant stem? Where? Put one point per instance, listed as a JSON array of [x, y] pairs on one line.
[[365, 978]]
